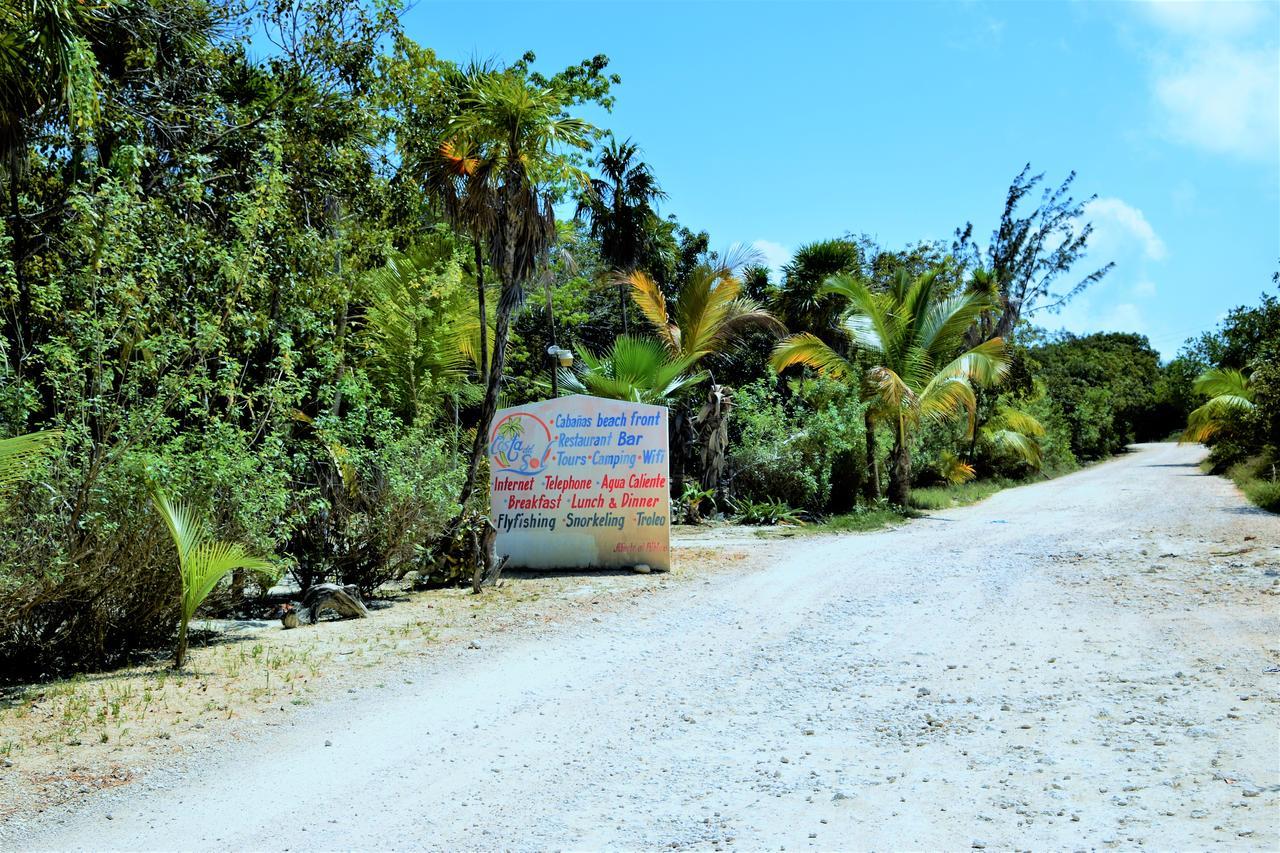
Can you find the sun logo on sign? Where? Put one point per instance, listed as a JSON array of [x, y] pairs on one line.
[[520, 443]]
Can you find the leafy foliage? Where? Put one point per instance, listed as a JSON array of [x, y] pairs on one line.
[[770, 512], [1229, 393], [1106, 387], [804, 448], [913, 338], [1014, 433]]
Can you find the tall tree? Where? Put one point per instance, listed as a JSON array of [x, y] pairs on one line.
[[511, 142], [619, 206], [446, 173], [802, 303], [913, 338], [46, 61], [1030, 251]]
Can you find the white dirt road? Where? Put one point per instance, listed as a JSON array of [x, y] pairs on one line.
[[1080, 663]]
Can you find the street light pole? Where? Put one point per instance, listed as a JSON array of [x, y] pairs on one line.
[[559, 357], [553, 355]]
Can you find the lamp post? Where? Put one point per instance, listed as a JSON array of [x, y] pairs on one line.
[[559, 357]]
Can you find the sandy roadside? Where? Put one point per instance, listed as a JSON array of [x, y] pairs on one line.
[[63, 741]]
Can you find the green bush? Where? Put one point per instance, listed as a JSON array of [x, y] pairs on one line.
[[417, 477], [88, 575], [806, 450], [1105, 386], [766, 513], [1264, 493], [1257, 478]]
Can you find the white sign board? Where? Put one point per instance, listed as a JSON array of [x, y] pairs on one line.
[[581, 482]]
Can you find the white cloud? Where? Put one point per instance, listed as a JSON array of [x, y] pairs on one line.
[[1215, 77], [1224, 99], [1095, 311], [775, 256], [1119, 229], [1145, 287], [1206, 18]]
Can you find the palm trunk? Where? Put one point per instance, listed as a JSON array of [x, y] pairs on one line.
[[871, 477], [622, 301], [484, 317], [488, 406], [502, 329], [17, 242], [713, 421], [973, 439], [340, 322], [180, 654], [900, 469]]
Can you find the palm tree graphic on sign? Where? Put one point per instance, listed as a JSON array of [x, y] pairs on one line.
[[511, 428]]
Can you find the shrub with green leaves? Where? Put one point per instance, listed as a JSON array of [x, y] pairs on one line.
[[86, 575], [805, 448]]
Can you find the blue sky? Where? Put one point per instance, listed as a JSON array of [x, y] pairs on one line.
[[783, 123]]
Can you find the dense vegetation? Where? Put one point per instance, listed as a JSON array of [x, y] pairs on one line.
[[1232, 377], [286, 292]]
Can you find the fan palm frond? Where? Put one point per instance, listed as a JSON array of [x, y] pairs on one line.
[[420, 332], [640, 370], [19, 453]]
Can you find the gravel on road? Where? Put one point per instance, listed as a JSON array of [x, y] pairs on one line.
[[1082, 662]]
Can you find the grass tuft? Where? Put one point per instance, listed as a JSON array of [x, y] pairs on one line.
[[946, 497], [862, 520], [1256, 479]]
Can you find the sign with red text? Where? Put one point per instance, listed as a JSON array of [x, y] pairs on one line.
[[581, 482]]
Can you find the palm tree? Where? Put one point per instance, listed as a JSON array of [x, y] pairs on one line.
[[446, 171], [202, 561], [508, 143], [709, 313], [619, 207], [45, 60], [1230, 393], [640, 370], [913, 338], [801, 302]]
